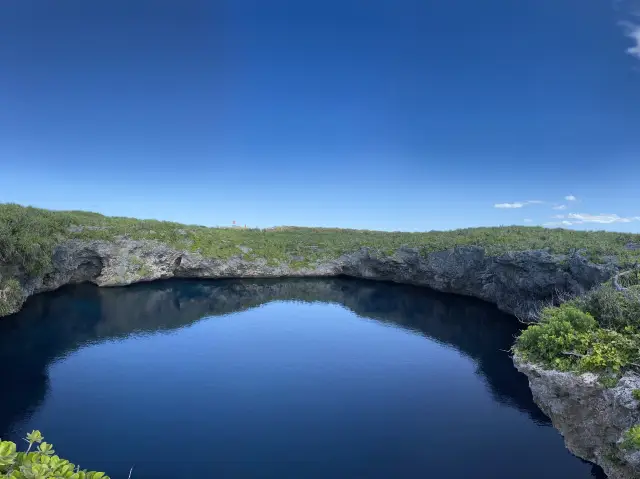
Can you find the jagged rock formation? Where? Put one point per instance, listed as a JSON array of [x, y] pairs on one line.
[[591, 418], [517, 282]]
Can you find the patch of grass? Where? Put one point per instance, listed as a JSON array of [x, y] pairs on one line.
[[632, 438], [598, 332], [142, 268], [609, 380], [636, 394], [28, 235]]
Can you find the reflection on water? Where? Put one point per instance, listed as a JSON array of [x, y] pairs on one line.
[[64, 347]]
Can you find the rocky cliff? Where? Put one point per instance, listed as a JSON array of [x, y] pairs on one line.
[[516, 282], [591, 418]]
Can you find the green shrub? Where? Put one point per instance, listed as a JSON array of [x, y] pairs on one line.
[[631, 439], [39, 464], [630, 278], [609, 380], [560, 330], [636, 394], [613, 309], [27, 236], [568, 338], [607, 350], [598, 332], [10, 296]]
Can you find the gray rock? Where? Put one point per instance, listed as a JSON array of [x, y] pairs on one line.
[[592, 418], [517, 282], [632, 246]]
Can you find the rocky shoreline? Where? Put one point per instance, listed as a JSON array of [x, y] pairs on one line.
[[590, 417], [517, 282]]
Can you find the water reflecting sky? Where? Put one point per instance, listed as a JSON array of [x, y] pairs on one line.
[[276, 379]]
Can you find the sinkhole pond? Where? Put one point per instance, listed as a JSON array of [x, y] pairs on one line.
[[299, 378]]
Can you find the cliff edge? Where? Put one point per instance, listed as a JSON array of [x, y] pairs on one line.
[[517, 282]]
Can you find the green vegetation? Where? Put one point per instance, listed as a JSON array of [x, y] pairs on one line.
[[39, 464], [143, 269], [28, 235], [598, 332], [636, 394], [10, 296], [632, 438]]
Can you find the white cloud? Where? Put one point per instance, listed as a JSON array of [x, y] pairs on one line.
[[570, 198], [560, 207], [528, 220], [579, 218], [582, 218], [518, 204], [508, 205], [633, 32]]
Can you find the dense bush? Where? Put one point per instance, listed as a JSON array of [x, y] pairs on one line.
[[27, 236], [631, 438], [40, 463], [568, 338], [613, 309], [597, 332]]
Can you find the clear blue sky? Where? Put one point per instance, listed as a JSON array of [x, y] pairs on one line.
[[381, 114]]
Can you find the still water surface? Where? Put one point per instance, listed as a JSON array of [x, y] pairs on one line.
[[276, 379]]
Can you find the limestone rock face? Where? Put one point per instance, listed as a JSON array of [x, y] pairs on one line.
[[516, 282], [591, 418]]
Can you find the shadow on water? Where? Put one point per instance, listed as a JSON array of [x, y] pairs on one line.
[[54, 324]]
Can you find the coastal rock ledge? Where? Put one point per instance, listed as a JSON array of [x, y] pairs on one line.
[[591, 418], [517, 282]]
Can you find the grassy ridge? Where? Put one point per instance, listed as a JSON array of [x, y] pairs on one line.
[[28, 235]]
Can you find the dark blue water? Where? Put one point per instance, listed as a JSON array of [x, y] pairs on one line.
[[276, 379]]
